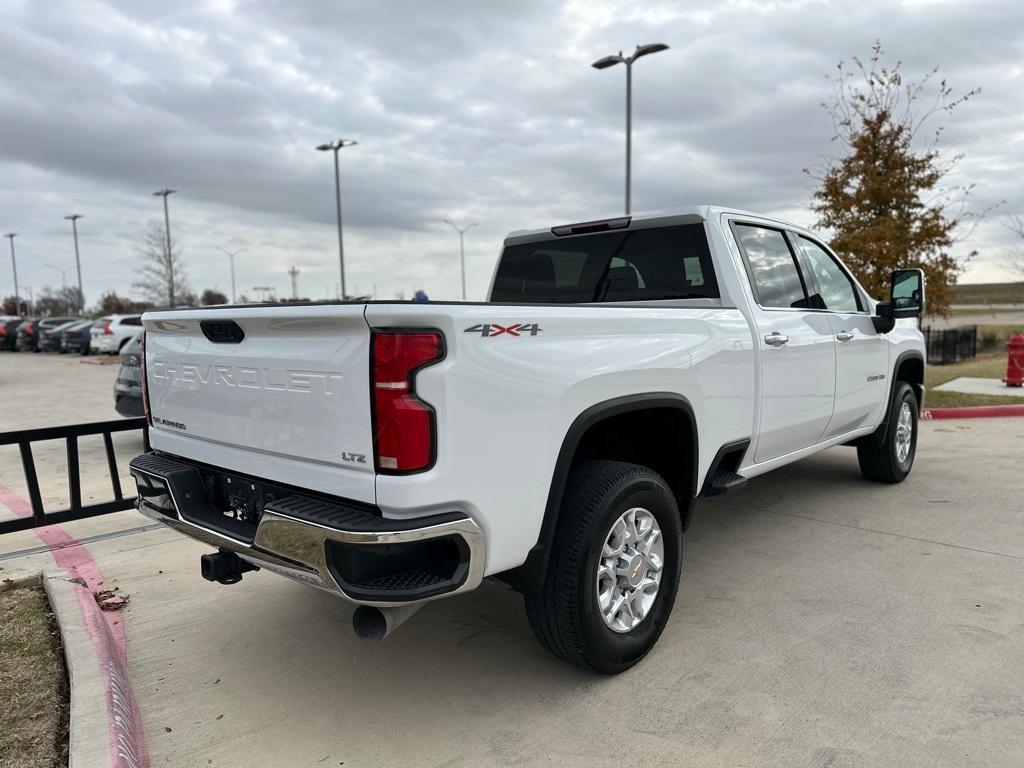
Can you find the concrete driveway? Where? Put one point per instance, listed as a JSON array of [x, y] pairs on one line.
[[822, 621]]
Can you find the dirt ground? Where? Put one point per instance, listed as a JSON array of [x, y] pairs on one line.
[[33, 683]]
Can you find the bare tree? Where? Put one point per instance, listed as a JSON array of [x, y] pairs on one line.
[[161, 277], [55, 303], [1014, 257]]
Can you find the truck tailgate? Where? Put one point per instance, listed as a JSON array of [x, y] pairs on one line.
[[289, 402]]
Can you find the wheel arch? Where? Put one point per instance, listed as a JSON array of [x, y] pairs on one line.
[[909, 367], [589, 429], [908, 364]]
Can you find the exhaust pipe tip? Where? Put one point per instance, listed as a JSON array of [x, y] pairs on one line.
[[369, 623], [374, 624]]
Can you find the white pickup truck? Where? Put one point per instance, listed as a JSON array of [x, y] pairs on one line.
[[554, 438]]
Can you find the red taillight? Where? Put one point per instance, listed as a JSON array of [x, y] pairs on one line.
[[106, 330], [145, 383], [403, 425], [30, 331]]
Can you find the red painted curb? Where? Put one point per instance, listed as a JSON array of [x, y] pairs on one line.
[[974, 412], [127, 739]]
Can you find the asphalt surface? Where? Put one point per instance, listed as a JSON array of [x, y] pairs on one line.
[[822, 621]]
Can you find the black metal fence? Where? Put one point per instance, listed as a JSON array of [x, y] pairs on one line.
[[951, 345], [70, 433]]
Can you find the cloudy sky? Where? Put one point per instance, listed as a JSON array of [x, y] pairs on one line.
[[475, 110]]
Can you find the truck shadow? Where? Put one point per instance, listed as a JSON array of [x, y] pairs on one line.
[[475, 641]]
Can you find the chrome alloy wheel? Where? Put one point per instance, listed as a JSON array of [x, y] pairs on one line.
[[629, 569], [904, 433]]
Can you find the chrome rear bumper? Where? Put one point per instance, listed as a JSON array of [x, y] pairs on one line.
[[301, 537]]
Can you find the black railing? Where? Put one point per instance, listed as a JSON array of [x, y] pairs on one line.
[[951, 345], [70, 433]]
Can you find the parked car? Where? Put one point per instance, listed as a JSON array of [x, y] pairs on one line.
[[555, 439], [31, 329], [128, 385], [111, 333], [76, 337], [9, 333], [50, 336]]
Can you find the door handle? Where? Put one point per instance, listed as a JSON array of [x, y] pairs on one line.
[[844, 336], [775, 339]]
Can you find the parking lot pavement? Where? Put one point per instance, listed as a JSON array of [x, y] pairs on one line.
[[48, 389], [822, 621]]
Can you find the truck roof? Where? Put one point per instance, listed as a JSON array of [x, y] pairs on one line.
[[682, 215]]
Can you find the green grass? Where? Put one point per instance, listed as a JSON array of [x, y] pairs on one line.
[[991, 365], [993, 338], [989, 293], [33, 683], [975, 311]]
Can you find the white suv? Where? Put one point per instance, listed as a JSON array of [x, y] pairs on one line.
[[110, 333]]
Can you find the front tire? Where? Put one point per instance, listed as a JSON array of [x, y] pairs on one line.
[[890, 458], [614, 568]]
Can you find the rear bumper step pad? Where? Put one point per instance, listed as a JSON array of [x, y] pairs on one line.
[[332, 544]]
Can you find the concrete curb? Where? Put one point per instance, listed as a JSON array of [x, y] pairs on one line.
[[974, 412], [88, 742], [104, 716], [19, 577]]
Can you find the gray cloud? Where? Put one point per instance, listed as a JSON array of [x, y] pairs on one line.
[[483, 112]]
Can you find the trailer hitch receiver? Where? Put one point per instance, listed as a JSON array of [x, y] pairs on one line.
[[224, 567]]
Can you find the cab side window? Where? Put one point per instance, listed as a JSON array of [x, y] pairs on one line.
[[836, 289], [773, 270]]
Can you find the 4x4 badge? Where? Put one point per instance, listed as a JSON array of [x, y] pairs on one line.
[[490, 330]]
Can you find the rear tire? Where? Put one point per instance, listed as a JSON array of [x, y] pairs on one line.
[[890, 458], [609, 506]]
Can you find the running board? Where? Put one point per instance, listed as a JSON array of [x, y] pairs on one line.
[[723, 482], [722, 476]]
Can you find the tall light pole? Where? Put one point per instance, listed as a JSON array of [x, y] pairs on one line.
[[611, 61], [231, 255], [462, 251], [334, 146], [74, 217], [63, 273], [167, 239], [14, 265]]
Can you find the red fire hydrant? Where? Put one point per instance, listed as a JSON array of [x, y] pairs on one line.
[[1015, 361]]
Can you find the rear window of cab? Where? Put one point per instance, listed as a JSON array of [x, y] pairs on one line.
[[632, 265]]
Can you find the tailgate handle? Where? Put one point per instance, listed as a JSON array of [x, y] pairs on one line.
[[222, 331]]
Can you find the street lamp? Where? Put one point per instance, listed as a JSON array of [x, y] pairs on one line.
[[462, 251], [63, 273], [231, 255], [167, 237], [74, 217], [334, 146], [14, 265], [611, 61]]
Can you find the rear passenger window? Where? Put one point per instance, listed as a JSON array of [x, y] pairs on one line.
[[773, 271]]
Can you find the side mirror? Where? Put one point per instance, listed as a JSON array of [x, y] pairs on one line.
[[907, 293], [906, 299]]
